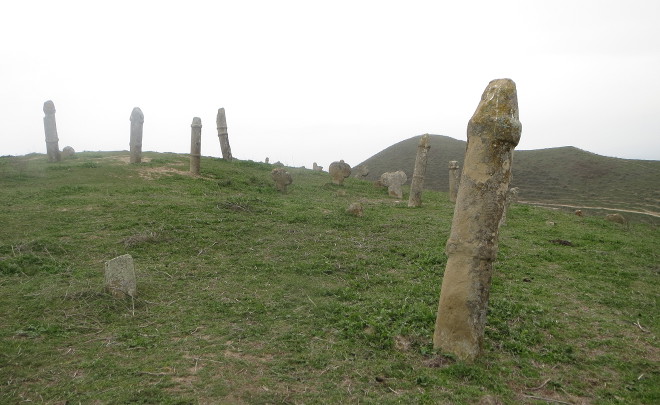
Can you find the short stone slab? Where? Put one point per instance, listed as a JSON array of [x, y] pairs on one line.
[[120, 277]]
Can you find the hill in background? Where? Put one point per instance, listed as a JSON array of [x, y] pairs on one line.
[[565, 176]]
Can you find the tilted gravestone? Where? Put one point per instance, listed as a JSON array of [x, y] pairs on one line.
[[493, 132], [221, 121], [195, 145], [50, 127], [415, 199], [282, 179], [120, 277], [339, 171], [454, 180], [137, 121], [394, 182]]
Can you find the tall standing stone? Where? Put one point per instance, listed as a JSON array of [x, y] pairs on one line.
[[339, 171], [120, 277], [493, 132], [50, 127], [415, 199], [221, 122], [454, 179], [137, 121], [511, 198], [195, 144]]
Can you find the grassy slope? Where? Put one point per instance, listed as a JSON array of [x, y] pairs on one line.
[[250, 296], [566, 175]]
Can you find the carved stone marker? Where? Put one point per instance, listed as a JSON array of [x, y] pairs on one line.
[[361, 171], [221, 122], [454, 180], [282, 179], [317, 168], [394, 181], [339, 171], [120, 277], [493, 132], [50, 127], [137, 120], [511, 198], [195, 144], [415, 199]]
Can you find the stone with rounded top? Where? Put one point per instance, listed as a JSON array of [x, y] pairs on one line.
[[339, 171], [282, 178], [120, 278], [50, 129], [493, 132], [195, 145], [394, 182]]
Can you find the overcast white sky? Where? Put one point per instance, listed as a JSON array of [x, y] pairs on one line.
[[317, 81]]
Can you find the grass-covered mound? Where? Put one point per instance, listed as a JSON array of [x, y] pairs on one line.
[[246, 295]]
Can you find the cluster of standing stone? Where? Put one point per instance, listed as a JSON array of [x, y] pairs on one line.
[[339, 171], [415, 199], [493, 132]]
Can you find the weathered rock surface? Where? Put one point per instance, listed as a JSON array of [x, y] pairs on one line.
[[493, 132], [361, 171], [195, 145], [317, 168], [394, 182], [355, 209], [417, 186], [339, 171], [454, 180], [68, 152], [50, 128], [137, 122], [618, 218], [282, 178], [221, 121], [120, 278]]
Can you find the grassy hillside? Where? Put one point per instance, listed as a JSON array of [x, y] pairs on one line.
[[250, 296], [564, 176]]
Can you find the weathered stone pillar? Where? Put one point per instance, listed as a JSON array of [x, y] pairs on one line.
[[50, 127], [415, 199], [493, 132], [282, 178], [195, 145], [454, 180], [120, 277], [137, 120], [221, 122]]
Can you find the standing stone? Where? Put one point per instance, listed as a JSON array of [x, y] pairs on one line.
[[339, 171], [120, 277], [394, 182], [50, 127], [221, 122], [454, 180], [282, 179], [493, 132], [618, 218], [415, 199], [267, 161], [317, 168], [356, 209], [361, 171], [68, 152], [137, 120], [195, 145], [511, 198]]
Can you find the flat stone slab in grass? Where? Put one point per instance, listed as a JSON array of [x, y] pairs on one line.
[[120, 277]]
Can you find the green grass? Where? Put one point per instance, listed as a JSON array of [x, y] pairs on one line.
[[246, 295]]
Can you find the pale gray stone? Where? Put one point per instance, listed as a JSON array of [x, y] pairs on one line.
[[137, 121], [120, 278], [282, 179], [50, 128], [339, 171], [356, 209], [221, 122], [417, 185], [511, 198], [454, 180], [68, 152], [394, 182], [195, 145]]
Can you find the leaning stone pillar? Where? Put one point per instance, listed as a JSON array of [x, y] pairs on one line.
[[137, 120], [195, 145], [221, 122], [50, 127], [415, 199], [454, 180], [493, 132]]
